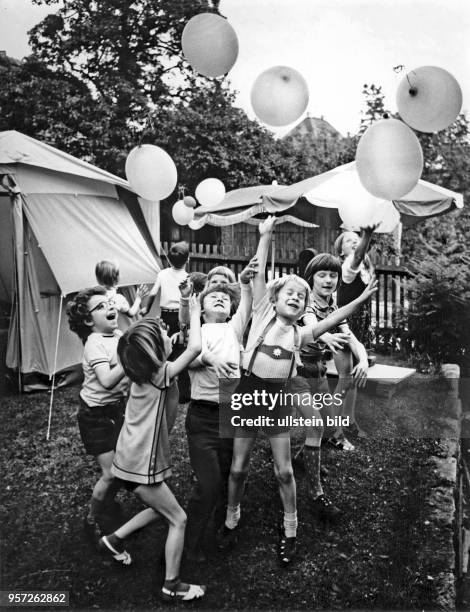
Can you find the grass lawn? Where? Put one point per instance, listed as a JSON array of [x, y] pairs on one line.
[[373, 559]]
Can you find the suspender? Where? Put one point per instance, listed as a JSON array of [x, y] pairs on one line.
[[295, 359]]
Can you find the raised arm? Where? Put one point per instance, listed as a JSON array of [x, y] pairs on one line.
[[194, 342], [142, 291], [184, 316], [151, 297], [363, 246], [336, 317], [266, 229]]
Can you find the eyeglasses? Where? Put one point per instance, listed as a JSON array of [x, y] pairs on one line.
[[102, 306]]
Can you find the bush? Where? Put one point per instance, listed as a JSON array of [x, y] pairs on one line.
[[439, 310]]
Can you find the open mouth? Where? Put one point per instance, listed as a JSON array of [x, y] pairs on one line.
[[111, 316]]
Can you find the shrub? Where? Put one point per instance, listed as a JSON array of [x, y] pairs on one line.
[[439, 310]]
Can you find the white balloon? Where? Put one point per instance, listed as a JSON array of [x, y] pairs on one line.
[[189, 201], [210, 192], [429, 99], [210, 44], [370, 211], [389, 159], [279, 95], [182, 214], [151, 172]]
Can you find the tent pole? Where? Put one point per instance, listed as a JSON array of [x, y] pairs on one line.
[[54, 370], [273, 252]]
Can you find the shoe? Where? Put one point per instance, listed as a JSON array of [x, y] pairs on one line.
[[286, 548], [195, 591], [340, 443], [122, 557], [324, 509], [227, 538], [92, 531]]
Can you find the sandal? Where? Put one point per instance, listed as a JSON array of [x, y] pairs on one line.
[[121, 557], [195, 591], [341, 443], [286, 549]]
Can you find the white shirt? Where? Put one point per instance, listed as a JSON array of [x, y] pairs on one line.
[[169, 281]]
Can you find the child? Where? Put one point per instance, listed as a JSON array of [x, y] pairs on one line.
[[167, 286], [270, 359], [142, 460], [93, 317], [322, 274], [211, 454], [221, 275], [107, 275]]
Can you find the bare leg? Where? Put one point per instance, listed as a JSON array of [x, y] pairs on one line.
[[280, 448], [242, 448], [344, 365]]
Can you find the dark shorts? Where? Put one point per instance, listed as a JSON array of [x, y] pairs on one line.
[[132, 486], [100, 426], [277, 415]]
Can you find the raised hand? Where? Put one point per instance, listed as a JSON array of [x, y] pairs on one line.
[[250, 270], [186, 288], [267, 225], [142, 291]]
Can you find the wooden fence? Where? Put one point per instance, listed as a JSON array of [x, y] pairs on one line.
[[388, 308]]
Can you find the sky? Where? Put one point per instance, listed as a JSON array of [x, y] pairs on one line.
[[337, 45]]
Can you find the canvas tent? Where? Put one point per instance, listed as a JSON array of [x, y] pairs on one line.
[[296, 203], [58, 217]]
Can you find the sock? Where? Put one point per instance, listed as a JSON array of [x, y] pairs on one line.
[[96, 508], [290, 524], [233, 516], [312, 461]]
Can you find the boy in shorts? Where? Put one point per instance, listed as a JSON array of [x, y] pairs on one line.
[[94, 318]]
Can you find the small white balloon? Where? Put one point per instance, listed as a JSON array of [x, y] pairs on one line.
[[429, 99], [151, 172], [389, 159], [279, 95], [182, 214], [210, 192], [189, 201], [210, 44]]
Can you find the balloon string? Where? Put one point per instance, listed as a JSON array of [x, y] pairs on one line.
[[148, 123]]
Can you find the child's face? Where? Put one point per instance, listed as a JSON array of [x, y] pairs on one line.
[[350, 242], [103, 314], [290, 301], [216, 307], [219, 279], [324, 283]]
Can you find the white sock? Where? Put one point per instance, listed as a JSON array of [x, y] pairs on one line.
[[233, 516], [290, 524]]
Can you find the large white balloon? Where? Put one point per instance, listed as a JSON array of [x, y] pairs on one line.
[[370, 211], [151, 172], [279, 95], [210, 44], [429, 99], [389, 159], [210, 192], [182, 214]]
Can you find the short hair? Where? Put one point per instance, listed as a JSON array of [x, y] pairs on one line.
[[107, 273], [305, 257], [232, 290], [277, 284], [198, 281], [223, 271], [322, 261], [78, 313], [141, 350], [178, 254]]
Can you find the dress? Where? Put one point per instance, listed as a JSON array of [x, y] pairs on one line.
[[352, 284], [143, 449]]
